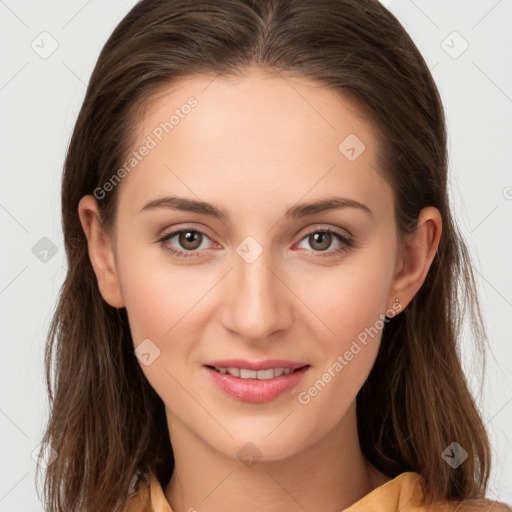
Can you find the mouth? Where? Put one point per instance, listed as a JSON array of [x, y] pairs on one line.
[[246, 382], [246, 373]]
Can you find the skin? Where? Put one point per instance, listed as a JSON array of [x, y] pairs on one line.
[[256, 146]]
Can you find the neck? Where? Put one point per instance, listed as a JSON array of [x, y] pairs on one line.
[[331, 474]]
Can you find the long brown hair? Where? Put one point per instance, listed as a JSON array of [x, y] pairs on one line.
[[106, 421]]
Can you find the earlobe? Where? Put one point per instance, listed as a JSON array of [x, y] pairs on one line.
[[101, 253], [418, 252]]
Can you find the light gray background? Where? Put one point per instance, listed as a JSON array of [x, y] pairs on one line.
[[40, 98]]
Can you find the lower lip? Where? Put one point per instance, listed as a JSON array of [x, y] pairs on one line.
[[255, 390]]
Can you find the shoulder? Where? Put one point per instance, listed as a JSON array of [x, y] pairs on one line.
[[139, 499], [479, 505], [147, 496], [407, 492], [467, 505]]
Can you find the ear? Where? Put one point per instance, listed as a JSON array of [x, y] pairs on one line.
[[416, 256], [101, 252]]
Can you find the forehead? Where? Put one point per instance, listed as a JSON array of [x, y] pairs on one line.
[[254, 138]]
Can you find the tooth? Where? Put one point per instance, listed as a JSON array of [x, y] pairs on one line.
[[266, 374], [247, 374]]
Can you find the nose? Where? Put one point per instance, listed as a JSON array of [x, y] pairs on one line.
[[259, 302]]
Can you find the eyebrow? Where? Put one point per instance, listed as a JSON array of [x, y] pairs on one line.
[[295, 212]]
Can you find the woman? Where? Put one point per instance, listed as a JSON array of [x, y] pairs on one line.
[[265, 282]]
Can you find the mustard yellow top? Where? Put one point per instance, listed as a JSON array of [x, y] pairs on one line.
[[401, 494]]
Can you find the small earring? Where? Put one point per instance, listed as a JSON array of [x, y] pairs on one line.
[[393, 311]]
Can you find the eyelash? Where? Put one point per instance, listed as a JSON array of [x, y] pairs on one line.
[[347, 243]]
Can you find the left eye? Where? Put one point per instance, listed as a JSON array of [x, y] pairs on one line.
[[324, 238], [191, 240]]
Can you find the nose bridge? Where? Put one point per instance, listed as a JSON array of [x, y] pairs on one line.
[[257, 302]]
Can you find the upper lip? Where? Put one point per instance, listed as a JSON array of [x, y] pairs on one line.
[[255, 365]]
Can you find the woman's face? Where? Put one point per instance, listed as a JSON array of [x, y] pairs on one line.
[[264, 281]]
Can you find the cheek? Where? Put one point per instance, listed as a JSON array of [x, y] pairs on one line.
[[159, 303], [355, 315], [164, 306], [165, 303], [350, 298], [161, 297], [351, 302]]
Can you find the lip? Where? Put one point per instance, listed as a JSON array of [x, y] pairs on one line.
[[255, 390], [255, 365]]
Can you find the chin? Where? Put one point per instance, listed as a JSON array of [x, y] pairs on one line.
[[257, 444]]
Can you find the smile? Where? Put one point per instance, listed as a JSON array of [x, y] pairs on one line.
[[244, 373], [256, 385]]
